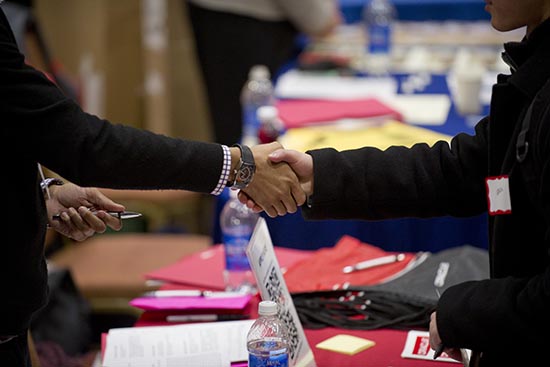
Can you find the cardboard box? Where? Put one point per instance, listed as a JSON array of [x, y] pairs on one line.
[[135, 64], [134, 61]]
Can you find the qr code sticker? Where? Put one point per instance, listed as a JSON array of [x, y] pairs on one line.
[[274, 288], [293, 340]]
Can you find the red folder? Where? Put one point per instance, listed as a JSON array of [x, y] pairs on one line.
[[301, 112], [323, 270], [204, 269]]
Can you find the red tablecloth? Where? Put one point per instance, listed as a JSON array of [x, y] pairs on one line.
[[386, 352]]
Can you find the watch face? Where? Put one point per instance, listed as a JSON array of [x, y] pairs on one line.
[[245, 174]]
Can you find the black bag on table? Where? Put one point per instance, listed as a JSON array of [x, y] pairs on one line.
[[405, 302]]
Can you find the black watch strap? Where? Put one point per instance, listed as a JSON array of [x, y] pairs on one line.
[[246, 168], [246, 154]]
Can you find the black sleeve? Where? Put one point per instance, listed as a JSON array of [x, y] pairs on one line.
[[420, 181], [496, 314], [509, 313], [47, 127]]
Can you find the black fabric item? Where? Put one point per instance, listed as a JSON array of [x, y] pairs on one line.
[[403, 303], [66, 318], [360, 308], [15, 353], [462, 263], [531, 168]]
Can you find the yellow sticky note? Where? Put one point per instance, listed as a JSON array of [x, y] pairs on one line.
[[346, 344]]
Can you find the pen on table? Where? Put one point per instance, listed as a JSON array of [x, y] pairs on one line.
[[191, 293], [367, 264], [205, 317]]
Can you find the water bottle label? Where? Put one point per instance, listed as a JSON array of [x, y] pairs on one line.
[[251, 124], [235, 252], [280, 360], [379, 39]]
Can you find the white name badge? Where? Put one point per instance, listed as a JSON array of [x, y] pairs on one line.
[[498, 195]]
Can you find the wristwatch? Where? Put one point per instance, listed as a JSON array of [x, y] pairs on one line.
[[44, 184], [245, 169]]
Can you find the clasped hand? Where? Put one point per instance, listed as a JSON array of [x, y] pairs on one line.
[[283, 180]]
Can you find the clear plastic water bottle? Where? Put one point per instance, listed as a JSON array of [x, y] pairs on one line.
[[271, 126], [267, 339], [379, 16], [237, 224], [257, 92]]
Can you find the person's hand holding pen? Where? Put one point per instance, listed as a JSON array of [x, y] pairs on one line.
[[73, 204], [437, 344], [435, 340]]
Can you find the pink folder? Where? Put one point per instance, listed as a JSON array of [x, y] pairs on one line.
[[191, 303], [301, 112]]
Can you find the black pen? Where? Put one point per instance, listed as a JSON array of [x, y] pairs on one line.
[[438, 283], [438, 351]]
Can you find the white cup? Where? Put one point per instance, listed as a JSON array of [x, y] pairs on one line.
[[466, 93], [465, 82]]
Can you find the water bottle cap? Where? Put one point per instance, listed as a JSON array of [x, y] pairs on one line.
[[259, 72], [233, 194], [267, 113], [266, 308]]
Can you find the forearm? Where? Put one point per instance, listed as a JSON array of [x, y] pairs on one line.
[[91, 151], [421, 181], [102, 154], [492, 314]]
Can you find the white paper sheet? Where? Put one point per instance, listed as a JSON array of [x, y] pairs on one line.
[[417, 346], [212, 344], [421, 109], [296, 84]]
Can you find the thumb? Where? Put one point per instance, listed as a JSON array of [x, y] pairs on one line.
[[284, 155], [102, 202]]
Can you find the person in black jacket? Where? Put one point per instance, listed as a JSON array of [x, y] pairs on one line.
[[41, 125], [504, 170]]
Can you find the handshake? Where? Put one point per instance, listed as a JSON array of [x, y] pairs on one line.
[[282, 181]]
